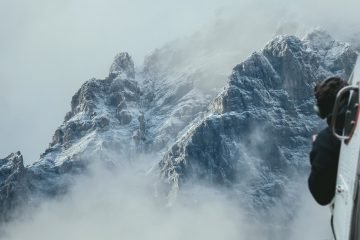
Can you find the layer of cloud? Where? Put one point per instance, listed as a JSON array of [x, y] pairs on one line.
[[128, 204], [125, 205]]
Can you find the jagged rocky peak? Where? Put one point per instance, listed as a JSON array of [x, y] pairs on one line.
[[319, 39], [111, 92], [257, 130], [123, 66], [291, 63], [12, 162], [12, 182], [97, 107], [296, 63], [338, 56]]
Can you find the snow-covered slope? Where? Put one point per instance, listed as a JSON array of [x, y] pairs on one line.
[[251, 136], [255, 136], [111, 121], [266, 105]]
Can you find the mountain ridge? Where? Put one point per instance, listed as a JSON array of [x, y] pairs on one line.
[[191, 131]]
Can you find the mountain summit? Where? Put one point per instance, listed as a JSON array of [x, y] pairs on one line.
[[123, 64], [255, 134], [252, 136]]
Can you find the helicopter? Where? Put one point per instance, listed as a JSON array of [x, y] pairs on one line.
[[345, 209]]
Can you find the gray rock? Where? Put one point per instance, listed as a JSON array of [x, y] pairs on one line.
[[123, 64], [13, 184], [124, 117], [257, 130], [141, 132]]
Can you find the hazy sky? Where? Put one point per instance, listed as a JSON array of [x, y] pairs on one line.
[[49, 48]]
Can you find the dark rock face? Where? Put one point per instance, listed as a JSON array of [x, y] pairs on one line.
[[24, 186], [12, 184], [257, 131]]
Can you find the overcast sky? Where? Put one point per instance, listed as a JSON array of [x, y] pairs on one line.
[[49, 48]]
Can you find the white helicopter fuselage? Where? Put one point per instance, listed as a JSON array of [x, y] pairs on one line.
[[346, 212]]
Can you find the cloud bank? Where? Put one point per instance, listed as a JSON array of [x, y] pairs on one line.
[[128, 204]]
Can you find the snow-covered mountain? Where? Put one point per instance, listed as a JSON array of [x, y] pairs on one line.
[[255, 135], [251, 136], [263, 119]]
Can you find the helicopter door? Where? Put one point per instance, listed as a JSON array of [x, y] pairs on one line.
[[347, 181], [355, 219]]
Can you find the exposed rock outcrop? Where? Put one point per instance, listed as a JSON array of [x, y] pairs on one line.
[[253, 136], [257, 130]]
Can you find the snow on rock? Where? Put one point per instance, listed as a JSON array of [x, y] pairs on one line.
[[255, 136], [114, 119], [250, 137], [171, 96], [12, 181], [123, 66]]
